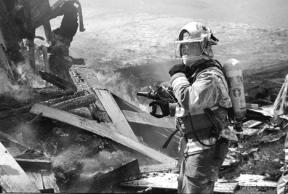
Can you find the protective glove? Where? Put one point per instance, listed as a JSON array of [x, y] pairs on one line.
[[164, 106], [179, 68]]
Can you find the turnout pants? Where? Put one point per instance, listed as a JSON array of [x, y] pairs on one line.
[[199, 171]]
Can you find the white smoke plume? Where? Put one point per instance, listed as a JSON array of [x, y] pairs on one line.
[[8, 88]]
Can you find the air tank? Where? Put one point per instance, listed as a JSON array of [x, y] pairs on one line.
[[233, 72]]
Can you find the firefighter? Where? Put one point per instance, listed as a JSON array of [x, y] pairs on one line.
[[201, 89]]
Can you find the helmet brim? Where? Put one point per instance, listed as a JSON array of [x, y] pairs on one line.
[[188, 41]]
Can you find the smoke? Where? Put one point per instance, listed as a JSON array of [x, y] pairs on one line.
[[76, 167], [20, 81], [15, 90]]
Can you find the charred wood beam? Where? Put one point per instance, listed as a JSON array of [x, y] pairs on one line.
[[25, 109], [34, 164], [65, 98], [75, 103], [53, 92], [58, 82]]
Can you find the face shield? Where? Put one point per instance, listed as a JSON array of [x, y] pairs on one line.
[[192, 49]]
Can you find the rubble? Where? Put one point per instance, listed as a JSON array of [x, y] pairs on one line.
[[124, 124], [75, 137]]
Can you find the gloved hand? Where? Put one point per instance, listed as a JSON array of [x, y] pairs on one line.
[[164, 106], [179, 68]]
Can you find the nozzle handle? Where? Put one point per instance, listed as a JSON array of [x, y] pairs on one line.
[[144, 94]]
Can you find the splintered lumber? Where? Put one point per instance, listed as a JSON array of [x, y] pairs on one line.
[[13, 178], [114, 177], [34, 163], [169, 181], [146, 119], [118, 119], [75, 103], [104, 130], [58, 82]]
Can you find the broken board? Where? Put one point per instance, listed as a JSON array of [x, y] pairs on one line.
[[13, 178], [169, 181], [114, 112], [44, 181], [104, 130], [34, 164], [251, 180], [106, 182]]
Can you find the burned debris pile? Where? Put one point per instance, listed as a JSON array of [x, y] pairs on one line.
[[79, 141], [64, 134]]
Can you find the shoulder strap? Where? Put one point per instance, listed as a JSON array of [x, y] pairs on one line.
[[202, 65]]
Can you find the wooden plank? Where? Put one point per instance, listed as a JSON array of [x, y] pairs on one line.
[[225, 187], [252, 123], [57, 81], [118, 119], [169, 181], [104, 130], [146, 119], [159, 168], [13, 178], [34, 163], [105, 182], [250, 180]]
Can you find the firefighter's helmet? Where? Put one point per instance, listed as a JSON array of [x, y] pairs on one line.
[[193, 35]]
